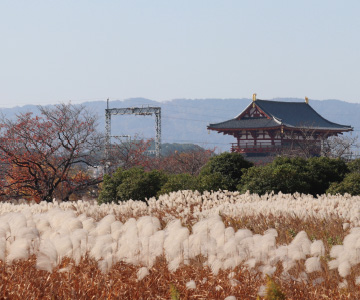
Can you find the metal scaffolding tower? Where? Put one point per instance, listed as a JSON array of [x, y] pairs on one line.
[[142, 111]]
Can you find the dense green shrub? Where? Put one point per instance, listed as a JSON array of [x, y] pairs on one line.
[[351, 182], [350, 185], [178, 182], [282, 175], [138, 184], [211, 182], [290, 175], [223, 171], [230, 171], [108, 187], [322, 171], [134, 184], [354, 166]]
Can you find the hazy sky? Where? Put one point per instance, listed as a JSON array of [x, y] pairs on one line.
[[62, 50]]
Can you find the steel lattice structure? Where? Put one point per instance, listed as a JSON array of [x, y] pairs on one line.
[[141, 111]]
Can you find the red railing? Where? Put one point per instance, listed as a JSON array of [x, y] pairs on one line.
[[260, 147]]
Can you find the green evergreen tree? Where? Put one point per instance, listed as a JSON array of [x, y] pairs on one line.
[[350, 185], [134, 184], [178, 182], [109, 185], [286, 175], [223, 171], [290, 175], [322, 171]]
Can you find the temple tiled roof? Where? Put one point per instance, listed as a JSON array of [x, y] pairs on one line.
[[297, 114], [288, 114], [246, 123]]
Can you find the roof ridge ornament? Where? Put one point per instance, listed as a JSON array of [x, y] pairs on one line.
[[254, 99], [306, 100]]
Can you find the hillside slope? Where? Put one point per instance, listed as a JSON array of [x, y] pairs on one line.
[[185, 120]]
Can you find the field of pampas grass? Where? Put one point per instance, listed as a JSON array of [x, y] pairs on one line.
[[186, 245]]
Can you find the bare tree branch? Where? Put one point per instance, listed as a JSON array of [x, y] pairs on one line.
[[39, 153]]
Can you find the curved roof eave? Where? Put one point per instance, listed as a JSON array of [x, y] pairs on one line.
[[292, 114]]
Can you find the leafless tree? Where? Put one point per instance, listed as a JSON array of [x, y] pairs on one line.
[[129, 153], [307, 142], [342, 146], [304, 142]]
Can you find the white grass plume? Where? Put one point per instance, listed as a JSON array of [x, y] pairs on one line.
[[201, 227], [288, 264], [27, 233], [2, 248], [344, 269], [147, 225], [191, 285], [156, 243], [268, 270], [262, 291], [303, 277], [230, 263], [336, 251], [313, 264], [66, 269], [73, 224], [102, 247], [19, 250], [333, 264], [175, 235], [103, 266], [59, 218], [295, 251], [230, 248], [302, 240], [104, 226], [318, 281], [79, 241], [88, 224], [215, 266], [16, 222], [217, 231], [42, 225], [4, 229], [142, 273], [229, 233], [64, 246], [242, 234], [317, 248], [128, 243], [343, 284], [198, 244], [47, 257], [174, 264], [116, 229]]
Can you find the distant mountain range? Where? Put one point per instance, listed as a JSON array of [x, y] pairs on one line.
[[184, 121]]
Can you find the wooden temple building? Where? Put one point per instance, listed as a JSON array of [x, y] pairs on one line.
[[271, 127]]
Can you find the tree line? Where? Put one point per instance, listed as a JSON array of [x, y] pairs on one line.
[[59, 153], [54, 155], [230, 171]]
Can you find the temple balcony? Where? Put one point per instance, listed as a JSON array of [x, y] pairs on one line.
[[260, 147]]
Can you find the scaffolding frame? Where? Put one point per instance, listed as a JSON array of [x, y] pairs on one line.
[[140, 111]]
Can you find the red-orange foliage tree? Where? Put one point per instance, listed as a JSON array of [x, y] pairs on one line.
[[189, 162], [129, 154], [40, 154]]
